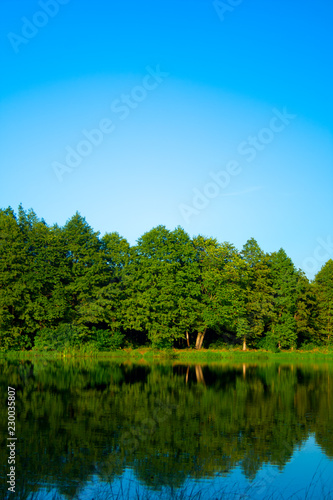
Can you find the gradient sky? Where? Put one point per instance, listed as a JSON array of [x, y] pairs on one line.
[[224, 77]]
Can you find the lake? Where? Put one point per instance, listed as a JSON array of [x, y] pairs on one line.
[[92, 429]]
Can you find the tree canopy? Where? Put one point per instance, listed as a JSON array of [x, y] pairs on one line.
[[168, 290]]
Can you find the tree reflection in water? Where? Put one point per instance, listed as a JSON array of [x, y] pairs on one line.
[[71, 417]]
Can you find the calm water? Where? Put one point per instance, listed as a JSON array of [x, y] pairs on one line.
[[102, 430]]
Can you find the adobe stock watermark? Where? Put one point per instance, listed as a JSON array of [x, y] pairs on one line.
[[11, 476], [31, 27], [321, 254], [248, 150], [122, 108], [222, 7]]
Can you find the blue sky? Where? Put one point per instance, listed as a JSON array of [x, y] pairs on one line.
[[129, 111]]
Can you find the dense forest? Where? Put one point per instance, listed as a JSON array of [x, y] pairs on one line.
[[67, 287]]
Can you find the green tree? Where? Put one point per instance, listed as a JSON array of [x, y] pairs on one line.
[[243, 331], [162, 286], [47, 272], [259, 293], [89, 272], [31, 277], [306, 314], [223, 276], [168, 289], [283, 332], [323, 284], [117, 254], [13, 266]]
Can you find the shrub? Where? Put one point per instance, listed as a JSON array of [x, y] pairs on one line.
[[14, 340], [158, 342], [308, 346], [62, 337], [267, 344], [219, 344], [105, 340]]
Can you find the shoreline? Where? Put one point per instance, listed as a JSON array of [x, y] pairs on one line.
[[181, 355]]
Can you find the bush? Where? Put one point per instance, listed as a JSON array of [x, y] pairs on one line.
[[268, 344], [219, 344], [105, 340], [308, 346], [14, 340], [68, 336], [62, 337], [159, 342], [168, 353]]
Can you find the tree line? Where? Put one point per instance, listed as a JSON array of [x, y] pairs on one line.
[[69, 287]]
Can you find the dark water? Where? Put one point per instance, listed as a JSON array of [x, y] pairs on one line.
[[102, 430]]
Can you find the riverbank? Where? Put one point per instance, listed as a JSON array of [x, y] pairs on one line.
[[185, 355]]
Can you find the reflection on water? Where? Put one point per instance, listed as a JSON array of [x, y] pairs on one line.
[[90, 429]]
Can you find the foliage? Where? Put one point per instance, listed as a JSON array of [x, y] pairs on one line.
[[324, 292], [243, 330], [106, 340], [268, 344], [60, 338], [68, 288]]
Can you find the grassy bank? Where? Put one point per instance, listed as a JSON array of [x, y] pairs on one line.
[[185, 355]]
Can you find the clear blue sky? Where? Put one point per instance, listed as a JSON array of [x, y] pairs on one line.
[[183, 92]]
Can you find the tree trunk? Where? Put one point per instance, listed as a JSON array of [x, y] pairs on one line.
[[244, 344], [188, 339], [200, 338]]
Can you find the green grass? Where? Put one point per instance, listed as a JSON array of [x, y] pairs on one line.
[[237, 354], [187, 355]]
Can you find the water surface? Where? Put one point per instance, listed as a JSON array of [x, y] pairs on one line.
[[92, 429]]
